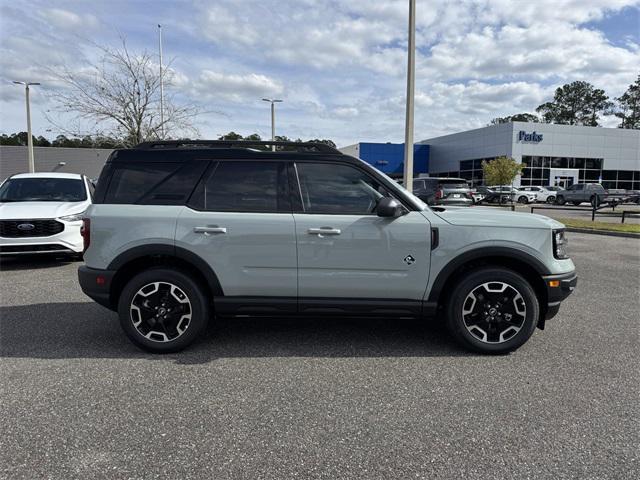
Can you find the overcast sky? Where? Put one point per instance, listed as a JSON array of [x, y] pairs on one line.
[[340, 66]]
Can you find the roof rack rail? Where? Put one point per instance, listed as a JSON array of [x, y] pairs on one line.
[[307, 147]]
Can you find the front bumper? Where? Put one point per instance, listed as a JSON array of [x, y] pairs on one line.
[[96, 284], [558, 287], [68, 240]]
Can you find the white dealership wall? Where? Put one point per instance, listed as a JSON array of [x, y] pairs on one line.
[[619, 148]]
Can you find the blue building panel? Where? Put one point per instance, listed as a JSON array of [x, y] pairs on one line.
[[389, 157]]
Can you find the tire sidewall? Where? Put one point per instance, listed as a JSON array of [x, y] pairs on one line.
[[455, 322], [199, 309], [560, 200]]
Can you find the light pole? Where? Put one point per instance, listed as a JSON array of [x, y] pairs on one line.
[[161, 84], [29, 138], [411, 64], [273, 101]]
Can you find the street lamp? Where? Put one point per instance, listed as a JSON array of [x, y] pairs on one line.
[[273, 101], [411, 65], [29, 138]]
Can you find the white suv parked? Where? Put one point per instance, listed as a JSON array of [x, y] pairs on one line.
[[42, 213], [543, 194]]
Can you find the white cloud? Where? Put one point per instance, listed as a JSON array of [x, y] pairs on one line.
[[66, 19], [235, 87]]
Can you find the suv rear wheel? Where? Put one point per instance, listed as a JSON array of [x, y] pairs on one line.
[[493, 310], [162, 310], [523, 199]]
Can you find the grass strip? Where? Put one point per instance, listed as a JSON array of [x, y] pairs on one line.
[[609, 227]]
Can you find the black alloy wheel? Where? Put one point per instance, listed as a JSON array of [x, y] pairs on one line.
[[163, 310], [493, 310]]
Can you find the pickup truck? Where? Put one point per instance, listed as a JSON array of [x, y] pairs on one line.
[[594, 193]]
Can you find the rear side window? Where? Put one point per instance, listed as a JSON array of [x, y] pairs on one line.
[[453, 183], [154, 183], [241, 186]]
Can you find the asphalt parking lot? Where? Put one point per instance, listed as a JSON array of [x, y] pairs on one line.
[[334, 399]]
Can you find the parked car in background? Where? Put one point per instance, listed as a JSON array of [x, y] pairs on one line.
[[42, 213], [515, 194], [543, 194], [443, 191], [594, 193]]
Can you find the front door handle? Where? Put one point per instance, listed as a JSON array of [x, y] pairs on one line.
[[324, 231], [210, 230]]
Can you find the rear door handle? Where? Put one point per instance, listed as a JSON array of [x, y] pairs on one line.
[[324, 231], [210, 230]]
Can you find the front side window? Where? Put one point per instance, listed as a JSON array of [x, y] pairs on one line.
[[239, 186], [338, 189], [42, 189]]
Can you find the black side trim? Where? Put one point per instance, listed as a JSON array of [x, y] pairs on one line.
[[435, 238], [172, 251], [360, 306], [255, 305], [483, 253]]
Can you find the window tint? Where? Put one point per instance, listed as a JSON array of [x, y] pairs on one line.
[[244, 187], [338, 189], [130, 183], [176, 188], [42, 189]]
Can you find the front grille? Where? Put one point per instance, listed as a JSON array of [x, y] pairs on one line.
[[29, 228], [33, 248]]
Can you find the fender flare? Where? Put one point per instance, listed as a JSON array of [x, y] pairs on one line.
[[479, 253], [172, 251]]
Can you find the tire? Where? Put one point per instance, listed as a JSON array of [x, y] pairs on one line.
[[495, 335], [560, 200], [551, 199], [152, 291], [523, 199], [576, 203]]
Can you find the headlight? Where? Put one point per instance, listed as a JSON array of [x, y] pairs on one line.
[[76, 217], [560, 243]]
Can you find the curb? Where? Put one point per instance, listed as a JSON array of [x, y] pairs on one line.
[[603, 232]]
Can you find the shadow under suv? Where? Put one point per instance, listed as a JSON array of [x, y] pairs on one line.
[[181, 232]]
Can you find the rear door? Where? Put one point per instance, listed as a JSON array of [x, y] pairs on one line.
[[348, 257], [239, 221]]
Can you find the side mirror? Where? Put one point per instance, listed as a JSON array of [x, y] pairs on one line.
[[388, 207]]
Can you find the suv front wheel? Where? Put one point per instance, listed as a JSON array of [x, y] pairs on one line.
[[493, 310], [163, 310]]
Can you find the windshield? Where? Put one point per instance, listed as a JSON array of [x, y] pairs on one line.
[[43, 190]]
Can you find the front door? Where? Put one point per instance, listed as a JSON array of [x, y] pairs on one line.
[[348, 257], [240, 222]]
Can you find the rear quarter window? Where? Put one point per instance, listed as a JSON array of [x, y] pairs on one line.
[[153, 183]]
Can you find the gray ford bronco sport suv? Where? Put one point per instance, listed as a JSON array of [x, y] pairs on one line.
[[183, 231]]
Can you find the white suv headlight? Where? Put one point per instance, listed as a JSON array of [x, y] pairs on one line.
[[76, 217]]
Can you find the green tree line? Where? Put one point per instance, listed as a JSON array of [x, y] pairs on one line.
[[20, 139], [580, 103]]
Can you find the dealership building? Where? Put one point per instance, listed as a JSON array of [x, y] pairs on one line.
[[552, 154]]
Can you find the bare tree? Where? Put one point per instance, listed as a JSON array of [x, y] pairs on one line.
[[120, 95]]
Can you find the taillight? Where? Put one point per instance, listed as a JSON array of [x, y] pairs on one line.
[[85, 231]]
